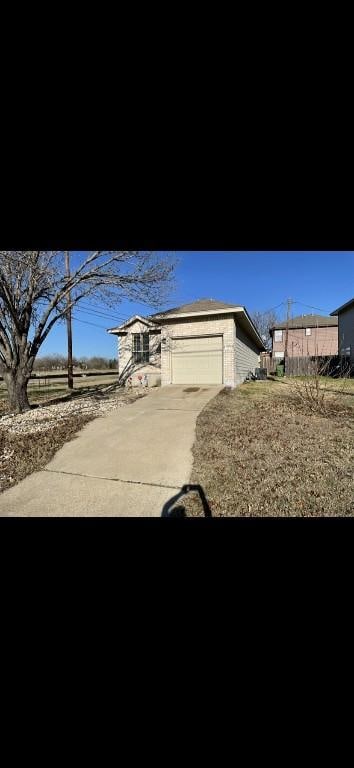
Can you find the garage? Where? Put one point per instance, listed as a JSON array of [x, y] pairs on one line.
[[197, 360]]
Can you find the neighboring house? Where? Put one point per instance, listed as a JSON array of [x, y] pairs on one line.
[[308, 336], [206, 342], [345, 318]]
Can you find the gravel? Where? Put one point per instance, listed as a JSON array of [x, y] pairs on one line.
[[28, 441], [45, 418]]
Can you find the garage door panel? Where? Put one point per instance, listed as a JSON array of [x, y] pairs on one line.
[[197, 360]]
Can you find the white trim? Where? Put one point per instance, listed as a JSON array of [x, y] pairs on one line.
[[134, 319]]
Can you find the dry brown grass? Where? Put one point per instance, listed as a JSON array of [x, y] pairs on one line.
[[29, 441], [259, 451], [31, 452]]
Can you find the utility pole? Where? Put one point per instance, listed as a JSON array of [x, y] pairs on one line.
[[69, 329], [289, 303]]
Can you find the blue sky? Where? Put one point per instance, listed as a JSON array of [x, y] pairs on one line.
[[257, 280]]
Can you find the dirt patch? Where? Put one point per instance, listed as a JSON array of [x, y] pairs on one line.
[[191, 389], [259, 453]]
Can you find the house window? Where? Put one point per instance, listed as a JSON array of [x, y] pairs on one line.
[[278, 355], [278, 335], [140, 347], [307, 331]]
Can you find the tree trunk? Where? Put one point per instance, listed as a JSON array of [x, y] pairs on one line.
[[16, 383]]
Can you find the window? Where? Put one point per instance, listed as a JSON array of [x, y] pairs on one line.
[[278, 355], [278, 335], [307, 331], [140, 347]]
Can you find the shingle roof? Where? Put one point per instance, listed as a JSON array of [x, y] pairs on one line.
[[307, 321], [202, 305]]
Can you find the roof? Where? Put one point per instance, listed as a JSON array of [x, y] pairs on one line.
[[307, 321], [213, 307], [344, 306], [122, 328], [201, 305]]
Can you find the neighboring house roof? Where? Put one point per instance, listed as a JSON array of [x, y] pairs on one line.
[[343, 307], [123, 328], [201, 305], [306, 321]]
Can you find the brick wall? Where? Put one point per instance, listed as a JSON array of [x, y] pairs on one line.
[[239, 353], [322, 342], [126, 367], [199, 326]]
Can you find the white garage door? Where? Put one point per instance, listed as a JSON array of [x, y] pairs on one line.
[[197, 360]]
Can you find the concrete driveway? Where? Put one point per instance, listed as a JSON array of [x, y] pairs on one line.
[[126, 464]]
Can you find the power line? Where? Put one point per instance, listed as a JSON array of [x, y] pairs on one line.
[[118, 318], [272, 309], [310, 307], [90, 312], [87, 322]]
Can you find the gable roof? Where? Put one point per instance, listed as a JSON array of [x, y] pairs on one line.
[[122, 328], [344, 306], [307, 321], [213, 307], [201, 305]]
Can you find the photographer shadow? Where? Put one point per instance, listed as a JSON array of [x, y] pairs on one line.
[[170, 511]]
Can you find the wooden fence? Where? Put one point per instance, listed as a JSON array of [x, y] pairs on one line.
[[308, 366]]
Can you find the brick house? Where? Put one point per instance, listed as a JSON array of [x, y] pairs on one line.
[[206, 342], [345, 318], [308, 336]]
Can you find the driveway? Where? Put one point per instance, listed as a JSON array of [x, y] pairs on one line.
[[126, 464]]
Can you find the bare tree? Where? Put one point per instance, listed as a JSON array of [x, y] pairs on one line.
[[263, 322], [34, 291]]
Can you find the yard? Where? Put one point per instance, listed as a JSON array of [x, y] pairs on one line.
[[260, 450], [44, 387], [28, 441]]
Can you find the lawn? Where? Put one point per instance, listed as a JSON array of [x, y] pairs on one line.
[[260, 451]]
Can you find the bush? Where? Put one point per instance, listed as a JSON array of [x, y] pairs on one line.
[[312, 391]]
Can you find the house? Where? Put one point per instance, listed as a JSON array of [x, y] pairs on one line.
[[307, 336], [206, 342], [345, 318]]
